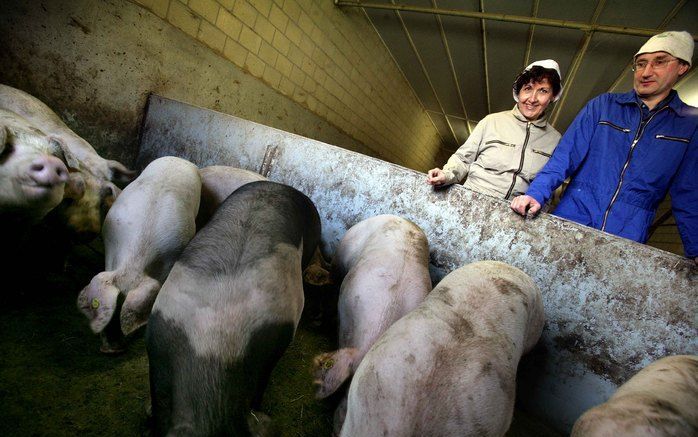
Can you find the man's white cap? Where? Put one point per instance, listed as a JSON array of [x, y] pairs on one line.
[[677, 44], [548, 64]]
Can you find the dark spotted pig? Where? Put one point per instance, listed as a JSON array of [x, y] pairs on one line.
[[384, 264], [448, 368], [144, 232], [217, 183], [84, 214], [228, 310], [32, 177], [661, 400]]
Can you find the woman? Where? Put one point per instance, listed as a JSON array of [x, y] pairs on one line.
[[507, 149]]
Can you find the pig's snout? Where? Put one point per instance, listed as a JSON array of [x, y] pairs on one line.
[[48, 171]]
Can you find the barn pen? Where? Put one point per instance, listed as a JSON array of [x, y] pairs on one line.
[[292, 70], [612, 306]]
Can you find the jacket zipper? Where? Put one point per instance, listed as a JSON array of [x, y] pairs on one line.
[[615, 126], [640, 131], [521, 163], [500, 142], [667, 137]]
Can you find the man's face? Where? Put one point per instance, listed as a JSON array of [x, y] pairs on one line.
[[651, 81]]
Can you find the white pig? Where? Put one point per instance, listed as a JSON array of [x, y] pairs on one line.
[[32, 177], [661, 400], [217, 183], [448, 368], [97, 176], [384, 264], [144, 232]]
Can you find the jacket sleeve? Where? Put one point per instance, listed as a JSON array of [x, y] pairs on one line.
[[458, 165], [568, 155], [684, 199]]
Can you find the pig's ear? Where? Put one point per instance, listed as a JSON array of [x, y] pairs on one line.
[[330, 370], [98, 301], [120, 175], [137, 306], [58, 148], [316, 275], [317, 272], [75, 188]]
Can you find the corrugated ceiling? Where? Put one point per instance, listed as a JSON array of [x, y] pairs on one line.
[[462, 68]]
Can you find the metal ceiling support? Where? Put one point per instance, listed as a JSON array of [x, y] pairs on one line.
[[576, 63], [586, 27], [670, 16], [397, 64], [529, 45], [444, 40], [426, 73], [484, 58]]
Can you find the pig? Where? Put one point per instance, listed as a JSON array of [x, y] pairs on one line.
[[660, 400], [148, 227], [32, 177], [217, 183], [83, 214], [449, 366], [384, 264], [228, 310]]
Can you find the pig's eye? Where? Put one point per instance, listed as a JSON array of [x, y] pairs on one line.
[[7, 149]]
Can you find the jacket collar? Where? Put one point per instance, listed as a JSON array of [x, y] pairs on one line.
[[680, 108], [541, 122]]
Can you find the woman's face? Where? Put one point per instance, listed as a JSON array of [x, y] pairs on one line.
[[534, 97]]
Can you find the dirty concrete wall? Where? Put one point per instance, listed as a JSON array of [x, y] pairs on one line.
[[95, 61], [612, 305]]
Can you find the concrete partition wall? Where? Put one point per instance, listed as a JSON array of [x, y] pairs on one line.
[[612, 305]]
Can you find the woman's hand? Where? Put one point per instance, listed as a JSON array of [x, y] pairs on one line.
[[436, 177]]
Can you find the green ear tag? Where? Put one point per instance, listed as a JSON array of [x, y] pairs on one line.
[[328, 364], [95, 303]]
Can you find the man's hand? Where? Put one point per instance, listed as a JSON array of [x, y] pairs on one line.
[[436, 177], [525, 204]]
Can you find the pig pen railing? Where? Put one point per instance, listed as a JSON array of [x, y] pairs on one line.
[[612, 305]]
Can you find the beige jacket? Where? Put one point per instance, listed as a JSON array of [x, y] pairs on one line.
[[503, 154]]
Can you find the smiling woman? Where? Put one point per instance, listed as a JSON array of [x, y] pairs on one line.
[[507, 149]]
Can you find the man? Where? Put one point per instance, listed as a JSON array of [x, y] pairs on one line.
[[507, 149], [625, 151]]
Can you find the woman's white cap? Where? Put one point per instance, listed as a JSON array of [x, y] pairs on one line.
[[678, 44], [548, 64]]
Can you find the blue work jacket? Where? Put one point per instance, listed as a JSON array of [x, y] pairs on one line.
[[622, 167]]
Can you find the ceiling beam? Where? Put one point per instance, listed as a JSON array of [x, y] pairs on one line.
[[454, 75], [426, 74], [531, 30], [576, 63], [585, 27]]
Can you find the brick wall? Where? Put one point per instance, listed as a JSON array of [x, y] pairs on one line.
[[325, 58]]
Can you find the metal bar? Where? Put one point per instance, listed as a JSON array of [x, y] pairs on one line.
[[426, 73], [659, 222], [575, 64], [529, 45], [453, 68], [586, 27], [397, 64], [484, 58]]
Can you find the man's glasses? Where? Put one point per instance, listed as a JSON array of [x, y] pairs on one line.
[[657, 64]]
